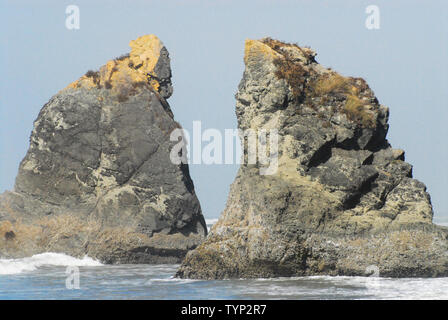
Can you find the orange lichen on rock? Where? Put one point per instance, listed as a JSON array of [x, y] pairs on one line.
[[255, 49], [145, 51], [122, 73]]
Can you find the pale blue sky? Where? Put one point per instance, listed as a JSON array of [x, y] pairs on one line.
[[404, 62]]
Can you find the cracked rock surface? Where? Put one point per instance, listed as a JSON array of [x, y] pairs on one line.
[[97, 178], [342, 199]]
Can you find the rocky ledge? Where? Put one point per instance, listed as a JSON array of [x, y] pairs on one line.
[[342, 202], [97, 178]]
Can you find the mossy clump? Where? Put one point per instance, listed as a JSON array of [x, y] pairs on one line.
[[306, 85], [95, 75], [121, 97], [122, 57], [294, 74], [139, 84], [10, 235], [279, 47], [355, 109], [350, 90], [332, 84], [92, 74], [289, 68], [277, 44], [128, 90]]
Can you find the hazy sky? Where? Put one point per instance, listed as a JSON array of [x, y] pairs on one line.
[[405, 62]]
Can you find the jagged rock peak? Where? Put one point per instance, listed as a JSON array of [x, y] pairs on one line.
[[341, 200], [148, 62], [97, 178]]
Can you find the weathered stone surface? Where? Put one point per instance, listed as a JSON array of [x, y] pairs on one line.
[[342, 199], [97, 178]]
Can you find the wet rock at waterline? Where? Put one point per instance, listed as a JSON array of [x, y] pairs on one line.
[[342, 201], [97, 178]]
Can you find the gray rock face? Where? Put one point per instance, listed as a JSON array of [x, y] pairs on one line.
[[342, 198], [97, 178]]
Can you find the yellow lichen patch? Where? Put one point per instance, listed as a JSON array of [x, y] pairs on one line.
[[120, 77], [159, 204], [255, 50], [73, 85], [124, 74], [83, 82], [145, 51]]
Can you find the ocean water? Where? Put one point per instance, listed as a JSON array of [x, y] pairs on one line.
[[58, 276]]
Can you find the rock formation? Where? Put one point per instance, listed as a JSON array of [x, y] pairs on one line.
[[97, 178], [342, 202]]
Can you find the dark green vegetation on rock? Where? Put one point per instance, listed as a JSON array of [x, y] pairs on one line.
[[342, 199], [97, 178]]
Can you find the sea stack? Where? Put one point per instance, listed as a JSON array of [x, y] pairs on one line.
[[342, 201], [97, 179]]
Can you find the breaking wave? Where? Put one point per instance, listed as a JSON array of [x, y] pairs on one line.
[[15, 266]]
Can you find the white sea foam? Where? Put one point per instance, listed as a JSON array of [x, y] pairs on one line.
[[327, 287], [210, 223], [170, 280], [445, 224], [15, 266]]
